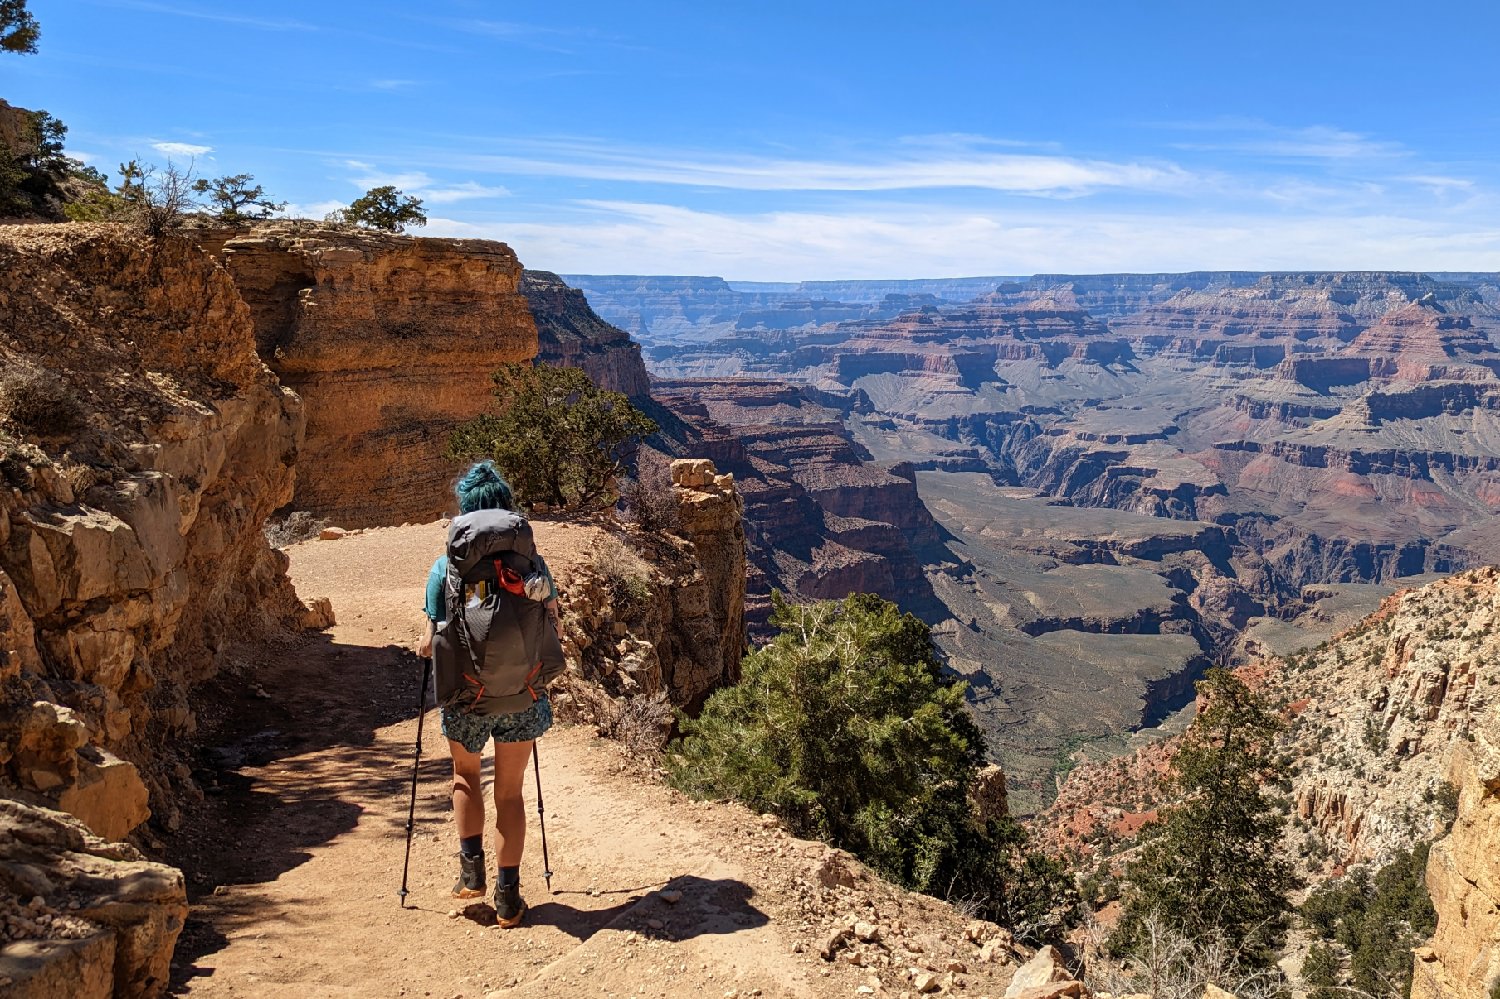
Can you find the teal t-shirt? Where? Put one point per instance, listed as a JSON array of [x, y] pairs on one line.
[[434, 604]]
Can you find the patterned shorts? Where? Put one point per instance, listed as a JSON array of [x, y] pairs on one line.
[[473, 731]]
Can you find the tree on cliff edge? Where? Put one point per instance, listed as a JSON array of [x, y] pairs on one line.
[[384, 208], [19, 30], [1212, 868], [558, 437]]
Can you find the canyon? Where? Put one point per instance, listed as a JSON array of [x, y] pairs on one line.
[[1091, 486]]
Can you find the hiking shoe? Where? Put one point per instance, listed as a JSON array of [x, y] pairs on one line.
[[510, 909], [470, 883]]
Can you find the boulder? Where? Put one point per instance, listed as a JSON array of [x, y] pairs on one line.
[[108, 797], [1045, 968]]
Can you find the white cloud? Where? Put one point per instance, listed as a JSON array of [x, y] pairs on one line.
[[392, 84], [1312, 142], [313, 210], [265, 24], [639, 238], [1013, 173], [421, 185], [459, 192], [181, 149]]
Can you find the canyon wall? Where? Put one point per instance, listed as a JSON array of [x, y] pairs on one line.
[[570, 334], [144, 444], [1463, 876], [390, 341]]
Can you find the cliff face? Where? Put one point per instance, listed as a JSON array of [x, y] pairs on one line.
[[390, 341], [1382, 709], [1463, 877], [678, 631], [143, 444], [570, 334]]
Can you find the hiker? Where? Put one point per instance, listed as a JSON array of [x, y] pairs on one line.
[[513, 607]]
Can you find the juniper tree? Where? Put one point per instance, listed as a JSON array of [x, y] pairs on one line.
[[558, 437], [845, 725], [235, 199], [384, 208], [19, 30], [1212, 868]]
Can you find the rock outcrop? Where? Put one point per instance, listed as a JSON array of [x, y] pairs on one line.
[[143, 443], [390, 341], [1382, 709], [79, 917], [570, 334], [1463, 876], [658, 616]]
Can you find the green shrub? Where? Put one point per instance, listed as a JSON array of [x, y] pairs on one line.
[[844, 726], [1378, 920]]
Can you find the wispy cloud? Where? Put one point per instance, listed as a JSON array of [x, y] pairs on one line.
[[392, 84], [1258, 138], [1055, 176], [633, 237], [240, 20], [181, 149], [421, 185]]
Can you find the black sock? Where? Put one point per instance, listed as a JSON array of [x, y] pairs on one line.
[[510, 875], [471, 846]]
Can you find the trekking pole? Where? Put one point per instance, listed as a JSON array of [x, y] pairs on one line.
[[541, 816], [411, 813]]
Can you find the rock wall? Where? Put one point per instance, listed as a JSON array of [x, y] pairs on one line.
[[669, 628], [570, 334], [390, 341], [142, 444], [1463, 877]]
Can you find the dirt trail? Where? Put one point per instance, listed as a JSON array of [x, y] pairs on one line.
[[294, 858]]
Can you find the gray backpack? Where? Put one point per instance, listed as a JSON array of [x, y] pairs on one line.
[[496, 651]]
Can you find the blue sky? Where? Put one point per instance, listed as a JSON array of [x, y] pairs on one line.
[[824, 140]]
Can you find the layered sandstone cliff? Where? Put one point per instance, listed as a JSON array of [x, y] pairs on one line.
[[658, 615], [143, 444], [390, 341], [1463, 877]]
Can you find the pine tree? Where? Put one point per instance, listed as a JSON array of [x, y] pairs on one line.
[[1211, 868], [383, 208], [18, 28], [236, 199]]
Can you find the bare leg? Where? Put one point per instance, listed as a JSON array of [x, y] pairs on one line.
[[468, 793], [510, 810]]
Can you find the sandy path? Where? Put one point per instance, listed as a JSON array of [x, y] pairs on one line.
[[298, 854], [294, 856]]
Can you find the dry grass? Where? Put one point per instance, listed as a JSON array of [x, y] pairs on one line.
[[38, 401]]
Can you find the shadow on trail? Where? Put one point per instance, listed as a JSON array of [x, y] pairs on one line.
[[290, 769], [707, 907]]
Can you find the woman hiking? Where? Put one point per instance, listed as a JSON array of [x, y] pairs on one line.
[[509, 596]]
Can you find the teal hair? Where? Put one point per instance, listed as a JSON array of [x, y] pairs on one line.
[[483, 488]]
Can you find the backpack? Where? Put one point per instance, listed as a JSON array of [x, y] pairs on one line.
[[496, 651]]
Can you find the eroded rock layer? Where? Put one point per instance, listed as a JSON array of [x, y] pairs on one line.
[[390, 341], [1242, 436], [143, 443]]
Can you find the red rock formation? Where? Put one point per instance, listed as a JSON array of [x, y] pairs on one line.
[[390, 341]]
